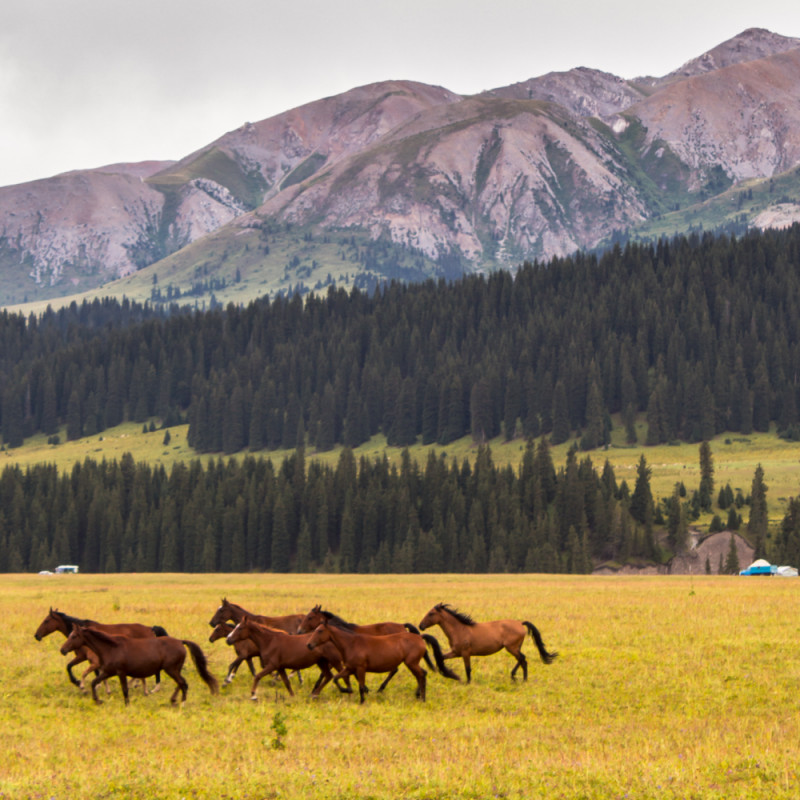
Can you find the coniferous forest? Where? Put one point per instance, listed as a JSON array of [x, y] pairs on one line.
[[701, 334]]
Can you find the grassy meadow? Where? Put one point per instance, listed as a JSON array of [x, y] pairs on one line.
[[664, 687]]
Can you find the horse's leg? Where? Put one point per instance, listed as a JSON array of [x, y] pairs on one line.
[[521, 662], [234, 666], [123, 682], [325, 676], [77, 660], [420, 674], [299, 674], [361, 675], [82, 682], [344, 673], [467, 667], [101, 676], [286, 681], [268, 669], [180, 683], [388, 678], [157, 687]]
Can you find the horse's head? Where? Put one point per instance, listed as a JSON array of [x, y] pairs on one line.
[[52, 622], [75, 640], [240, 631], [433, 617], [321, 635], [220, 631], [222, 614], [311, 620]]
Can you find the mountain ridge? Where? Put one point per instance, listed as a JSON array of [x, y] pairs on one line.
[[532, 170]]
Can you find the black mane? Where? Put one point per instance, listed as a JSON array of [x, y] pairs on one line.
[[464, 619], [71, 621], [337, 621]]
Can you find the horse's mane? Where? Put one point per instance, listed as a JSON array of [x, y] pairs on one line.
[[103, 637], [333, 619], [71, 621], [464, 619]]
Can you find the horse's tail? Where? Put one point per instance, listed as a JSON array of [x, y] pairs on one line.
[[439, 656], [546, 657], [201, 664], [159, 631], [411, 628]]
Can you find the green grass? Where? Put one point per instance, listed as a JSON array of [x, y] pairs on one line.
[[665, 687]]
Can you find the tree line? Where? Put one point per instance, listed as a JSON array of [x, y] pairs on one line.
[[359, 515], [701, 334]]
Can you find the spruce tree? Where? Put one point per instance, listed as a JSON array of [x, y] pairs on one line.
[[757, 525], [706, 489]]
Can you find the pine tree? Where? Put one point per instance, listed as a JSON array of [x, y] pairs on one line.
[[642, 499], [561, 428], [732, 559], [757, 525], [706, 490]]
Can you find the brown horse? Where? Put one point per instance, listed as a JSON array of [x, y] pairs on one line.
[[318, 615], [362, 653], [126, 657], [281, 651], [230, 612], [469, 638], [59, 621], [246, 650]]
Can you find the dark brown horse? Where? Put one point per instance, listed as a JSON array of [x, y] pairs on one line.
[[469, 638], [59, 621], [281, 651], [246, 650], [126, 657], [230, 612], [362, 653]]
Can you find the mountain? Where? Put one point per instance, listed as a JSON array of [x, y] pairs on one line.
[[403, 179]]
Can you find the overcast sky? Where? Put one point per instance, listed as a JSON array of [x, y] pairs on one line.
[[84, 83]]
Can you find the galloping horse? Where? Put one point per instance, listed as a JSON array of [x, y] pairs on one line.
[[126, 657], [469, 638], [280, 651], [318, 615], [64, 623], [230, 612], [362, 653], [246, 650]]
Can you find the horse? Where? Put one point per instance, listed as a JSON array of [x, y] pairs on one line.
[[362, 653], [125, 657], [468, 638], [246, 650], [230, 612], [318, 615], [281, 651], [59, 621]]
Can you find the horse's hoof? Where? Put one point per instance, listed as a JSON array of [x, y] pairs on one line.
[[254, 698]]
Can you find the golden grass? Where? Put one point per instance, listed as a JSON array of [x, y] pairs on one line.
[[664, 687]]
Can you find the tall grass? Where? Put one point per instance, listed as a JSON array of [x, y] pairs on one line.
[[664, 687]]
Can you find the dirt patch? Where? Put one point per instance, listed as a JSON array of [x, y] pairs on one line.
[[711, 550]]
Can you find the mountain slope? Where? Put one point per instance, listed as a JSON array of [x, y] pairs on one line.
[[437, 182]]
